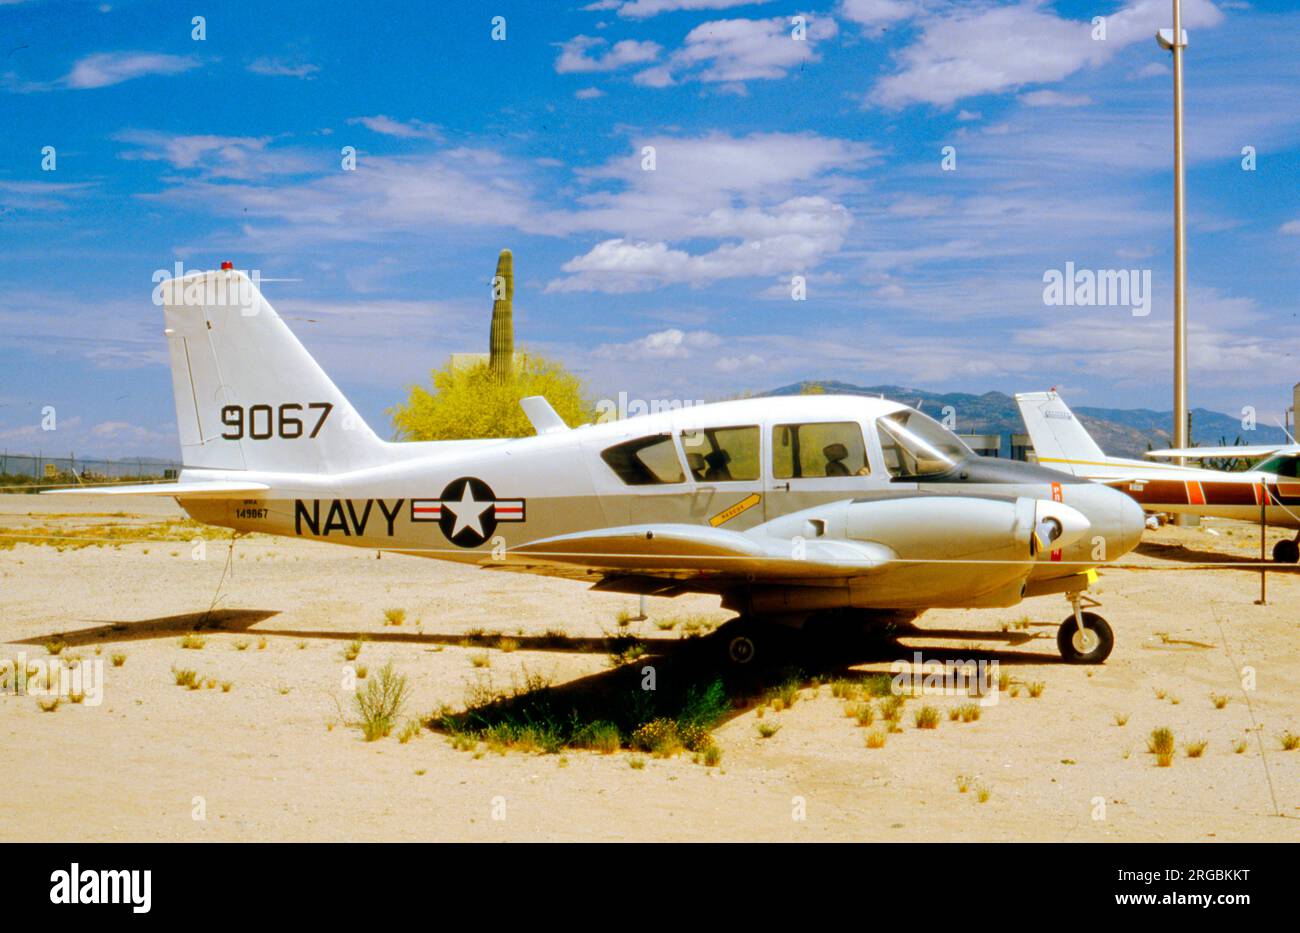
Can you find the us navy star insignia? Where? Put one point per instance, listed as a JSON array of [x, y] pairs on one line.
[[467, 511]]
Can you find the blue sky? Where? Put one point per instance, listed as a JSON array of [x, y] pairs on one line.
[[774, 158]]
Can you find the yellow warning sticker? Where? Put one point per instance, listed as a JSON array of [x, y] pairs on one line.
[[732, 511]]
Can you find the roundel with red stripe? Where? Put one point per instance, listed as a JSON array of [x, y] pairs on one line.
[[468, 511]]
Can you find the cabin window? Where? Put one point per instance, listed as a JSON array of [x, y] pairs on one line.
[[722, 455], [916, 445], [646, 461], [818, 449]]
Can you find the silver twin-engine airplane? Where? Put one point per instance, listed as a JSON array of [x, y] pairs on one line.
[[838, 510]]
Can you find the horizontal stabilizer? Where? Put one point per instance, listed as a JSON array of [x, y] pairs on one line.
[[193, 490], [1200, 453]]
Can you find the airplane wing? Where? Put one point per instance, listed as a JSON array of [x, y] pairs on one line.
[[687, 551], [1243, 451], [188, 490]]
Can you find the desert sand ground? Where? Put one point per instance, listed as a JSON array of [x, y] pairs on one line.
[[270, 759]]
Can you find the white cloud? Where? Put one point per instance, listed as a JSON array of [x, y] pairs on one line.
[[695, 172], [794, 235], [766, 200], [661, 345], [576, 54], [642, 9], [116, 335], [387, 126], [1226, 346], [189, 151], [104, 439], [876, 12], [1291, 228], [40, 196], [987, 49], [1153, 70], [385, 195], [242, 157], [731, 364], [1054, 99], [109, 68], [588, 93], [740, 50], [715, 207], [276, 68]]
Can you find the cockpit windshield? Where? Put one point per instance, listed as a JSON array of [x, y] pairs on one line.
[[916, 445], [1284, 465]]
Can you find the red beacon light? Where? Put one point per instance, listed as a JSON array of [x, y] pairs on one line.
[[227, 266]]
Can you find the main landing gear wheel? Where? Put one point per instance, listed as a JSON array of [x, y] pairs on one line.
[[742, 648], [748, 644], [741, 644], [1091, 644], [1286, 552]]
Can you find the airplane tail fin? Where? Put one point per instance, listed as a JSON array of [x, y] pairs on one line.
[[248, 394], [1060, 441]]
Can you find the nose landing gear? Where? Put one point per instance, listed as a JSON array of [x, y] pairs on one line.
[[1287, 552], [1084, 637]]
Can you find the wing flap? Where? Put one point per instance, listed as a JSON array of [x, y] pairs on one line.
[[691, 550]]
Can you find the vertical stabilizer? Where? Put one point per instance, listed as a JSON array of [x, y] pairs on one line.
[[248, 394], [1060, 440]]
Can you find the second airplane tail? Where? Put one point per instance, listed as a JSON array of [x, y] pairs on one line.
[[1059, 439]]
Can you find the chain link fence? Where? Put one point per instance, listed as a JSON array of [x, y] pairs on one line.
[[30, 472]]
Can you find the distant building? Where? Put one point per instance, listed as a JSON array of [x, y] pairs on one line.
[[986, 445], [1022, 448], [990, 445]]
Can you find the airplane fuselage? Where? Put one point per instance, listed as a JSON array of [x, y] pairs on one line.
[[474, 501]]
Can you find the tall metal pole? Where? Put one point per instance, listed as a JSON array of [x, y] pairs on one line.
[[1180, 244]]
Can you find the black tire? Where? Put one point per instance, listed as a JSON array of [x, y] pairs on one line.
[[739, 644], [749, 644], [1286, 552], [742, 647], [1103, 639]]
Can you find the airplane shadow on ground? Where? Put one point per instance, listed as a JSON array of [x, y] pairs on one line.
[[684, 671], [690, 673], [241, 621], [224, 620], [702, 650], [1180, 553]]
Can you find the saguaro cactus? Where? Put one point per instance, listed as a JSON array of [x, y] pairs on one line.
[[501, 347]]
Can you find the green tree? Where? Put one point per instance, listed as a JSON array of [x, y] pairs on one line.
[[472, 402]]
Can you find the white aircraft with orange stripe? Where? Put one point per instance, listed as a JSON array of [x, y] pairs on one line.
[[1271, 487]]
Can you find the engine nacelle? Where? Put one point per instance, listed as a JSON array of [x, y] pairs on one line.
[[981, 556]]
